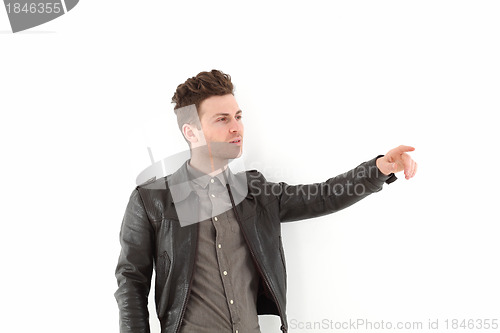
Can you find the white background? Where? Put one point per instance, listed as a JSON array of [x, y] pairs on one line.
[[324, 86]]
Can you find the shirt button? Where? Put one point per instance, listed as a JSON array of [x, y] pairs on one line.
[[220, 246], [225, 272], [231, 301], [236, 331], [216, 219], [212, 180], [212, 195]]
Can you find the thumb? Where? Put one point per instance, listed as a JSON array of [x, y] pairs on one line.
[[385, 166]]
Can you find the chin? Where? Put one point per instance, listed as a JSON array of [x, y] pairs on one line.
[[226, 151], [232, 154]]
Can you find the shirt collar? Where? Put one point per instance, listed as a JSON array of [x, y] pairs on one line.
[[181, 182], [202, 179]]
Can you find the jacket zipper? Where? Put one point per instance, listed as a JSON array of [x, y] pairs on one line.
[[254, 257]]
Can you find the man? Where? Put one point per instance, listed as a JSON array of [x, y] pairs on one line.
[[213, 237]]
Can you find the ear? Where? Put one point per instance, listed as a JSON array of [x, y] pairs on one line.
[[192, 134]]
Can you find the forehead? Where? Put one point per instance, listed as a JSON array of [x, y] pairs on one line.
[[219, 104]]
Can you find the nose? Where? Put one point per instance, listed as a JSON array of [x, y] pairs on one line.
[[235, 126]]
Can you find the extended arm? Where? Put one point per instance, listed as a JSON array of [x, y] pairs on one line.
[[298, 202]]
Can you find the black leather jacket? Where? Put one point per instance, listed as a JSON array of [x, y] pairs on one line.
[[152, 238]]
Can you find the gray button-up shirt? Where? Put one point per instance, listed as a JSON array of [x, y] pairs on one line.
[[225, 282]]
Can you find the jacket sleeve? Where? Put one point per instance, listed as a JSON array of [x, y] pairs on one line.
[[297, 202], [135, 266]]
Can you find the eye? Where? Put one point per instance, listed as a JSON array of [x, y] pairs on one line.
[[239, 117], [221, 119]]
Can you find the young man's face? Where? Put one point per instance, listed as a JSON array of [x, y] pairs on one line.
[[222, 126]]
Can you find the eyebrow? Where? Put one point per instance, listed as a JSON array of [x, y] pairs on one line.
[[226, 114]]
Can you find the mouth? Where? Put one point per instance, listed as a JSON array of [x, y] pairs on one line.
[[236, 141]]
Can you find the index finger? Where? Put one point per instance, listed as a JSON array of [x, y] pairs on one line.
[[402, 149]]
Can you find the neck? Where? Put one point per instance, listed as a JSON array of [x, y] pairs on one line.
[[208, 164]]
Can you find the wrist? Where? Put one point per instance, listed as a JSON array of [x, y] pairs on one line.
[[387, 178], [378, 163]]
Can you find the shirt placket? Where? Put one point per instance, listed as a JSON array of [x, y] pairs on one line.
[[221, 224]]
